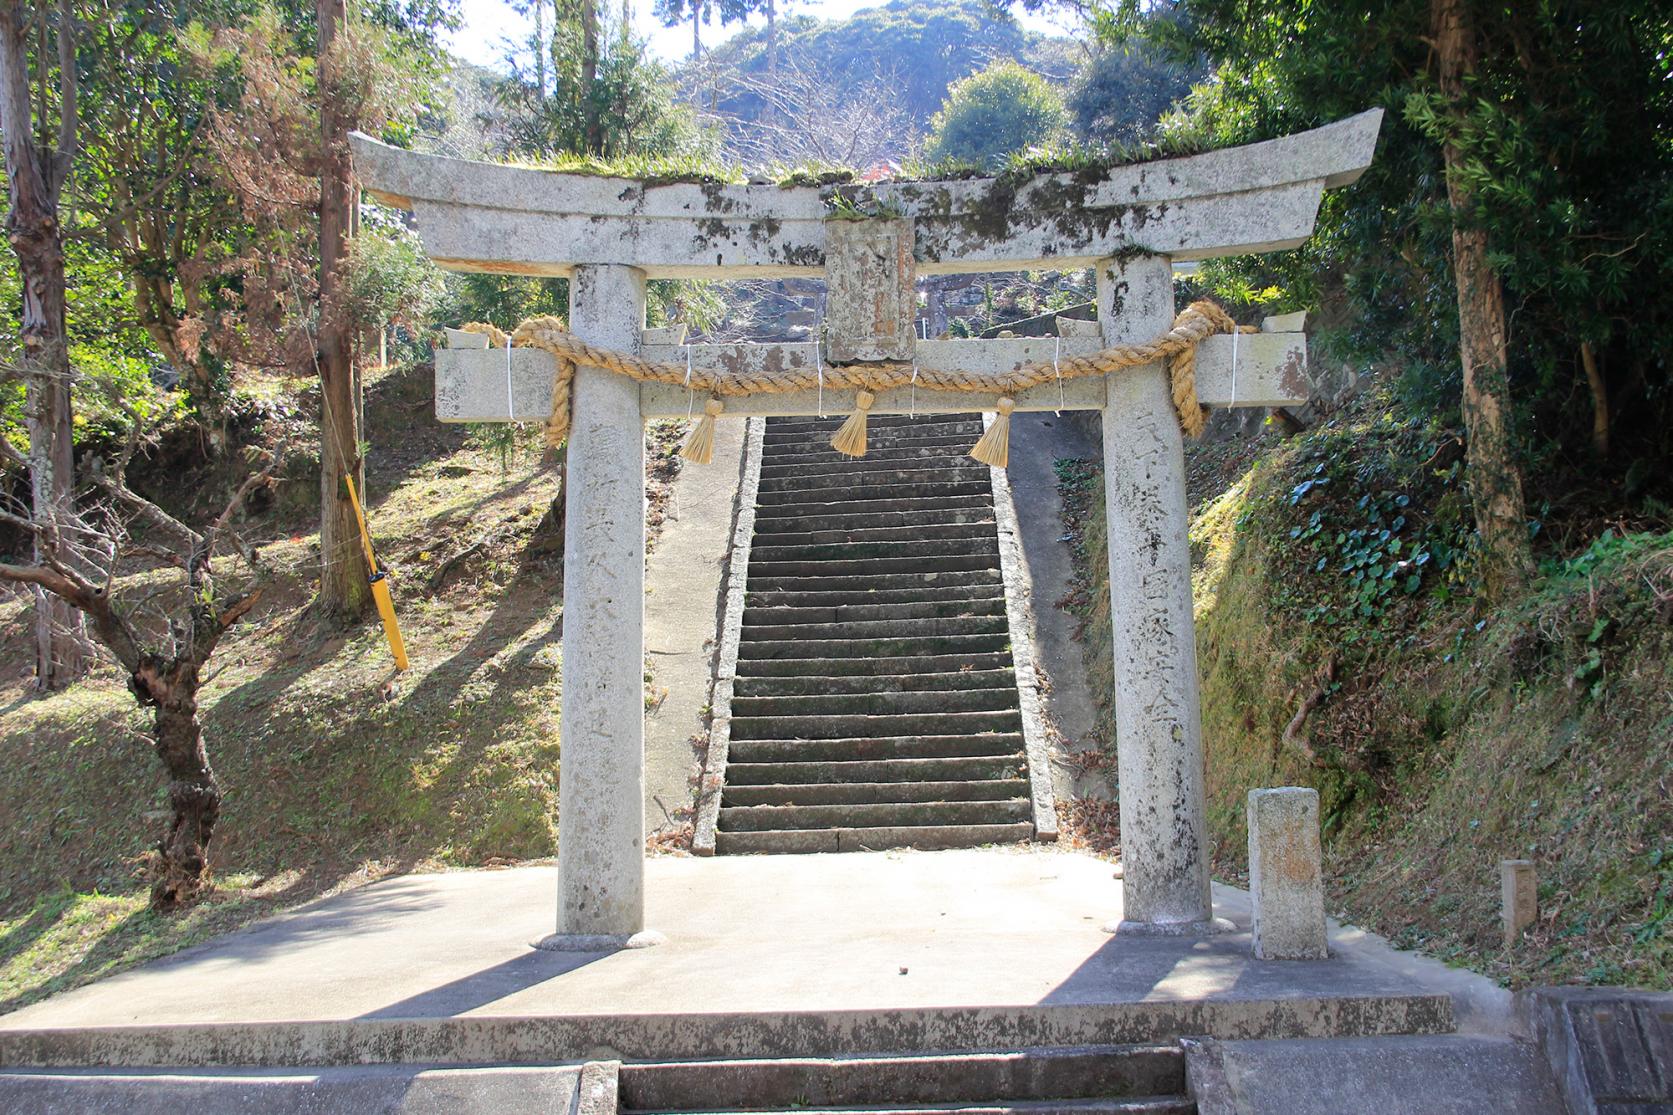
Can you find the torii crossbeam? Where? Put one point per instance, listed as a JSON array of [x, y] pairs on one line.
[[608, 235]]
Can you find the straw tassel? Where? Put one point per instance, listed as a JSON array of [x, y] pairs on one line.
[[699, 447], [850, 440], [995, 447]]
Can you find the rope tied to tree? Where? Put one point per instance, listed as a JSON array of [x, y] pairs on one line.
[[1177, 347]]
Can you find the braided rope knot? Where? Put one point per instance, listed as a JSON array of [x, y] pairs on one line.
[[1177, 348]]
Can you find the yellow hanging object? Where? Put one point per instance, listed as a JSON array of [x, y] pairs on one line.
[[850, 439], [995, 447], [699, 447], [379, 580]]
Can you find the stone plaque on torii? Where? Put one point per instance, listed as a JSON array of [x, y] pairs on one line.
[[1128, 223]]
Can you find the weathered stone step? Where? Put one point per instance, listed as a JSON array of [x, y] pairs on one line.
[[880, 449], [791, 428], [867, 749], [939, 682], [846, 508], [863, 519], [875, 648], [872, 771], [870, 566], [937, 549], [874, 581], [904, 590], [1132, 1105], [873, 667], [876, 703], [1083, 1072], [921, 628], [918, 532], [879, 493], [849, 613], [313, 1090], [898, 470], [863, 793], [928, 478], [923, 837], [845, 725], [784, 818]]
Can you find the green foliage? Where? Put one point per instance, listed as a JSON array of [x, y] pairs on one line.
[[1364, 521], [388, 278], [610, 104], [993, 114], [919, 48], [1122, 93], [1563, 143]]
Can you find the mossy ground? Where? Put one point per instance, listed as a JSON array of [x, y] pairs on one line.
[[335, 770], [1445, 734]]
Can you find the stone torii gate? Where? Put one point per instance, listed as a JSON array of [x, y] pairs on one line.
[[608, 235]]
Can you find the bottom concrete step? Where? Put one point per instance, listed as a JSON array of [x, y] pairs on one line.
[[356, 1090], [922, 837], [1137, 1105], [1075, 1072]]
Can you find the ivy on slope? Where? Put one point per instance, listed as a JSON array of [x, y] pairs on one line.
[[1341, 646]]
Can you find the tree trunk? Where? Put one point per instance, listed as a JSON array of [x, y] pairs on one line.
[[589, 78], [540, 51], [193, 795], [1495, 478], [344, 592], [696, 29], [772, 41], [1600, 399], [36, 178]]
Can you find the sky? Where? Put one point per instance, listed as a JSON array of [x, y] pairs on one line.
[[488, 23]]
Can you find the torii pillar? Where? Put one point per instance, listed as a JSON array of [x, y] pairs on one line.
[[1158, 717], [601, 791]]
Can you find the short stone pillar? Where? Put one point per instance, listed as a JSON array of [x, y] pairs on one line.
[[1286, 878], [1158, 723], [1518, 897], [601, 784]]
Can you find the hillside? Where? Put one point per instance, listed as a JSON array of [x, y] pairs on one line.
[[1341, 646], [335, 770]]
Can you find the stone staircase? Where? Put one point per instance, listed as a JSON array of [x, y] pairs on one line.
[[1094, 1080], [876, 703]]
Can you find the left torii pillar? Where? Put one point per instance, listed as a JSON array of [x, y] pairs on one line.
[[601, 782]]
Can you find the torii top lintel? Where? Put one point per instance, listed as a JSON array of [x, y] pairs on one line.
[[1260, 197]]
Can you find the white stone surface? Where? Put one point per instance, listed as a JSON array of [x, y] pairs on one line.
[[601, 787], [871, 290], [1271, 370], [485, 217], [1286, 877], [1158, 726]]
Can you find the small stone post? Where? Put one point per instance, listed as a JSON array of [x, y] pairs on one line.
[[601, 785], [1158, 725], [1518, 896], [1286, 879]]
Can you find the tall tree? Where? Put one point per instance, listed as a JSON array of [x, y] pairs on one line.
[[344, 591], [39, 154], [1495, 477]]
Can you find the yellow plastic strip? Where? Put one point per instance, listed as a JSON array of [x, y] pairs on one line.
[[380, 585]]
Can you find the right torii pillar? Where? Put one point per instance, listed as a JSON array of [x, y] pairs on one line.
[[1158, 716]]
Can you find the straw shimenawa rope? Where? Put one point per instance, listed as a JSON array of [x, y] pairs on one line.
[[1178, 346]]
